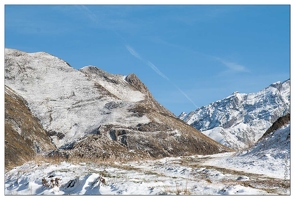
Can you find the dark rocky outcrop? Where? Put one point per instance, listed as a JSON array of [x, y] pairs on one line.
[[277, 124]]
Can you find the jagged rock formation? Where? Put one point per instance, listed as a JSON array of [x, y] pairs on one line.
[[24, 135], [239, 120], [91, 113]]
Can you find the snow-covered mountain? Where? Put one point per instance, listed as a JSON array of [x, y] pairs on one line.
[[239, 120], [91, 113], [65, 100]]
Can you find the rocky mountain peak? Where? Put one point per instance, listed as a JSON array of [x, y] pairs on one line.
[[133, 80], [150, 102]]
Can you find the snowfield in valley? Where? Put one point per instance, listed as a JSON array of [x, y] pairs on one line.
[[168, 176]]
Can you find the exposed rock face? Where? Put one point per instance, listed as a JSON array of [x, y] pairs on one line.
[[149, 100], [91, 113], [151, 140], [24, 135]]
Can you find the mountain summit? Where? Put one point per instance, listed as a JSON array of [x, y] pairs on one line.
[[91, 113], [239, 120]]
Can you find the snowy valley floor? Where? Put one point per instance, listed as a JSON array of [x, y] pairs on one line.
[[192, 175]]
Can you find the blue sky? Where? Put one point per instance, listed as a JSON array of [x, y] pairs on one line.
[[187, 55]]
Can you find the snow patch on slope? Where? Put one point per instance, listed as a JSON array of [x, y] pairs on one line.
[[116, 84]]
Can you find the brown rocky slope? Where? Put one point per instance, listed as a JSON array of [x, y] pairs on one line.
[[24, 135]]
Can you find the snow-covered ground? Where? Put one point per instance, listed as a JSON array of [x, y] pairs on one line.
[[168, 176], [270, 156]]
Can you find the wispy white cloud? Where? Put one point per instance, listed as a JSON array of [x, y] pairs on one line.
[[186, 96], [230, 66], [235, 67], [133, 52], [157, 70], [147, 62]]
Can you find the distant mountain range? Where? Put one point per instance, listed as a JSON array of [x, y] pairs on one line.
[[240, 120], [54, 109]]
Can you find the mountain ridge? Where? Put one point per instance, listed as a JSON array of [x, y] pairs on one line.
[[240, 119]]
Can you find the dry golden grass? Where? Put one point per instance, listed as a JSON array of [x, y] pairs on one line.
[[177, 190], [22, 132]]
